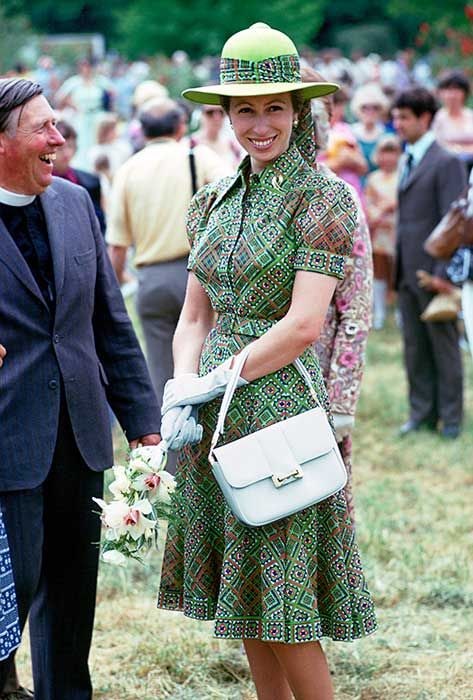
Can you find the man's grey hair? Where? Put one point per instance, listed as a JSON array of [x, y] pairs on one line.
[[14, 94]]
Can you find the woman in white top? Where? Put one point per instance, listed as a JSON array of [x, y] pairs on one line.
[[453, 123]]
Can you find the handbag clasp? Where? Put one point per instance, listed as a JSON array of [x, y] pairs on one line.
[[281, 480]]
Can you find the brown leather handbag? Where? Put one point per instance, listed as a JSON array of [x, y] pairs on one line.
[[455, 229]]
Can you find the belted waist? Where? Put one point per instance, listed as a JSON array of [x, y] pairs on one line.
[[230, 324]]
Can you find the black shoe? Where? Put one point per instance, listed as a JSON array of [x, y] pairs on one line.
[[18, 694], [450, 431], [411, 426]]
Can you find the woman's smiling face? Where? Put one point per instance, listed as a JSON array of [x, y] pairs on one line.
[[263, 126]]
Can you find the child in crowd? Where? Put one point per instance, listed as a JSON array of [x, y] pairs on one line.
[[381, 203]]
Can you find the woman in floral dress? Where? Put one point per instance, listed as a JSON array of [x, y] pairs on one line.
[[263, 243], [341, 346]]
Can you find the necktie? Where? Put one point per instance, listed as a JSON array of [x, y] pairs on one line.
[[408, 167]]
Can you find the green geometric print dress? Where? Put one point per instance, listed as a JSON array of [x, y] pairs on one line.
[[300, 578]]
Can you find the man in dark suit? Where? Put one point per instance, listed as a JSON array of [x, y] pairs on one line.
[[430, 179], [71, 351]]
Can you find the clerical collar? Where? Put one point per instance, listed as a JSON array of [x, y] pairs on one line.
[[13, 199]]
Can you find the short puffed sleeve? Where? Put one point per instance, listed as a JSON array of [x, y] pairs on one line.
[[324, 226]]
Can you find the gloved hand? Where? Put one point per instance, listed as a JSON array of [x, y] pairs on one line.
[[179, 427], [191, 389], [343, 425]]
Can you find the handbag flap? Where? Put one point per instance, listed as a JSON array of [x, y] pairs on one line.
[[277, 449]]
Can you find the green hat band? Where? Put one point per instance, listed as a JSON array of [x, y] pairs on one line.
[[279, 69]]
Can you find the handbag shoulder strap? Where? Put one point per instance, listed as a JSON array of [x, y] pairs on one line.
[[193, 170], [238, 364]]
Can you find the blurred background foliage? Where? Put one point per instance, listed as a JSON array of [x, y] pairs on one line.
[[139, 28]]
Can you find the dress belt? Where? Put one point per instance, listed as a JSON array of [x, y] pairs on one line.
[[233, 324]]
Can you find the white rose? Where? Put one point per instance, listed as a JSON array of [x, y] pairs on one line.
[[114, 557]]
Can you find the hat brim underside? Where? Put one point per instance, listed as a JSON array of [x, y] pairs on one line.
[[211, 94]]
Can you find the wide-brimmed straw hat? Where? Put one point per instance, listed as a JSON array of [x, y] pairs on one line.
[[258, 61]]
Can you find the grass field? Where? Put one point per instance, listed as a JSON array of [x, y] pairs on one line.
[[414, 519]]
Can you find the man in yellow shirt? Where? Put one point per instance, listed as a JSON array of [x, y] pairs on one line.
[[149, 200]]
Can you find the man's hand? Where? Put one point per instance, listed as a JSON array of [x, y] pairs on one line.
[[3, 352], [433, 283], [117, 255], [151, 439]]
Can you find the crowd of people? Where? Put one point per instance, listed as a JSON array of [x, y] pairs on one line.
[[284, 213]]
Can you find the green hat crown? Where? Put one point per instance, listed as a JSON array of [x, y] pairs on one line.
[[259, 54], [258, 61], [258, 42]]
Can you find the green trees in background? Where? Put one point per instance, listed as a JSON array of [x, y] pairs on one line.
[[68, 16], [141, 27], [14, 32], [202, 28]]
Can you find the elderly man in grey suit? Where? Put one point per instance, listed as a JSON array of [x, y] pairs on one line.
[[71, 351], [430, 179]]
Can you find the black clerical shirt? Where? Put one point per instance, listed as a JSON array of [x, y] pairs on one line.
[[27, 226]]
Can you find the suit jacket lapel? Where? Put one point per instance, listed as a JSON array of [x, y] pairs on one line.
[[16, 263], [54, 215], [424, 164]]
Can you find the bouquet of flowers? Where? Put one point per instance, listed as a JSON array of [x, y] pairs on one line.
[[142, 495]]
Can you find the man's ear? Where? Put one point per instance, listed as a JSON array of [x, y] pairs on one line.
[[426, 120], [181, 130], [2, 143]]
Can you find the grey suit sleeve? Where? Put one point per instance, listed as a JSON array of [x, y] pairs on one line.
[[451, 182], [129, 389]]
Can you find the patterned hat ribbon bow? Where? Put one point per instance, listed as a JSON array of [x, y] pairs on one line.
[[280, 69]]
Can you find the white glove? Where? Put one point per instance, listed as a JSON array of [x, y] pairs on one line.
[[343, 425], [191, 389], [179, 427]]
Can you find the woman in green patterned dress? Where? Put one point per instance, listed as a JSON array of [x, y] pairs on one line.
[[263, 243]]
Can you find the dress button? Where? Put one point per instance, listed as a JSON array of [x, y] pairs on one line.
[[56, 338], [53, 384]]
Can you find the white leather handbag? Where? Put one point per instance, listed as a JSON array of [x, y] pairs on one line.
[[279, 470]]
